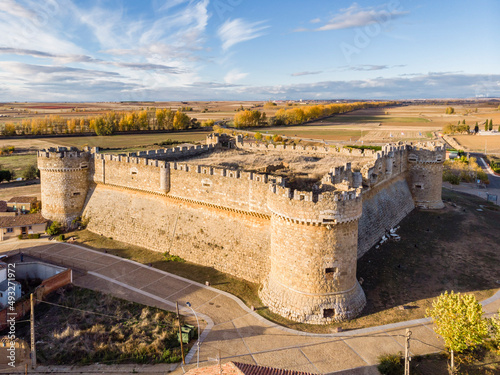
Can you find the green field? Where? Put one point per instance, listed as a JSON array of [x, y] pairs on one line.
[[17, 163], [127, 141]]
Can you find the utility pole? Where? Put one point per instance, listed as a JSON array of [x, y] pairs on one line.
[[180, 332], [32, 323], [407, 352]]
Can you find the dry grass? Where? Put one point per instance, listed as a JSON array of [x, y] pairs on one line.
[[16, 189], [110, 330], [490, 143]]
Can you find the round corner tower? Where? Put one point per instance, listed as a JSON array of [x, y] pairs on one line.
[[425, 177], [314, 241], [64, 176]]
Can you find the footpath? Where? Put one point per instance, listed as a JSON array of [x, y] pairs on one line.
[[231, 330]]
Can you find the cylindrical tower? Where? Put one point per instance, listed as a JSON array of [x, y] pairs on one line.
[[425, 177], [314, 240], [64, 177]]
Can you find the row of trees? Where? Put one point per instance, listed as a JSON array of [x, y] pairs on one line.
[[463, 128], [299, 115], [104, 124], [489, 125], [29, 173]]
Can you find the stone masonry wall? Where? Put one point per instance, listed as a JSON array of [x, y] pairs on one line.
[[230, 242], [384, 206], [235, 189], [132, 172]]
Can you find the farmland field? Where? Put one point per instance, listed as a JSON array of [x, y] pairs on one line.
[[480, 142]]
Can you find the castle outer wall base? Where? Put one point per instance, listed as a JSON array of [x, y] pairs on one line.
[[229, 242]]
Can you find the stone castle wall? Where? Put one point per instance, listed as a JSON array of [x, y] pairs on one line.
[[230, 242], [132, 172], [301, 245]]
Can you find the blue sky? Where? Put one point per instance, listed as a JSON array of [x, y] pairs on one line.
[[76, 50]]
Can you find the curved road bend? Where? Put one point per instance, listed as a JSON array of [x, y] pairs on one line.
[[232, 329]]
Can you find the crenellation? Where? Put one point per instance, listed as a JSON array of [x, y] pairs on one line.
[[302, 244]]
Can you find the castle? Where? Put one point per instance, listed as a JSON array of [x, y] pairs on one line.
[[301, 246]]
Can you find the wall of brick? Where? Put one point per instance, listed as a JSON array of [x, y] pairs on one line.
[[228, 241]]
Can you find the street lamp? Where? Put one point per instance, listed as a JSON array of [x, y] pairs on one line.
[[198, 342]]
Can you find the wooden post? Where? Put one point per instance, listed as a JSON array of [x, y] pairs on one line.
[[180, 332], [32, 323]]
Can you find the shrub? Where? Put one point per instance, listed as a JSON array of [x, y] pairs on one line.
[[34, 236], [390, 364], [54, 229], [61, 237], [173, 258], [20, 236]]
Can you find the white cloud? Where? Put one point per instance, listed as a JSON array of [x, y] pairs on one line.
[[238, 30], [356, 16], [298, 74], [234, 76]]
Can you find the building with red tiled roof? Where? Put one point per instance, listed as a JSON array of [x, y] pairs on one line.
[[13, 226], [235, 368]]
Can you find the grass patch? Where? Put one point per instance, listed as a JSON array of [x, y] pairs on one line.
[[17, 163], [123, 332], [129, 141], [374, 148]]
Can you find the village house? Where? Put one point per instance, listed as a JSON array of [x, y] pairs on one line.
[[22, 204], [13, 226]]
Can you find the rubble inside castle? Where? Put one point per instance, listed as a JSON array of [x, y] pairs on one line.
[[303, 172]]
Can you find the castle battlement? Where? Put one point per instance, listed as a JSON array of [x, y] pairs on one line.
[[62, 152], [324, 150], [174, 152], [308, 207]]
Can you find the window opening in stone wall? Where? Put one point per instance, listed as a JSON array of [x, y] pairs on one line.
[[134, 172], [326, 221], [329, 272], [418, 186], [76, 193], [328, 313], [301, 197], [412, 158], [205, 184], [10, 230], [84, 166]]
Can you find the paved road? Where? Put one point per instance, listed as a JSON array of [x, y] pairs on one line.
[[232, 329]]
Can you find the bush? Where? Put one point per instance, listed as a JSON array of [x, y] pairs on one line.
[[61, 237], [20, 236], [54, 229], [390, 364], [173, 258], [34, 236]]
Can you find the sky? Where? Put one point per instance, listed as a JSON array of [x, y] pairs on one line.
[[160, 50]]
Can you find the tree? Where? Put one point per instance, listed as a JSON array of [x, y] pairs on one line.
[[5, 175], [491, 125], [476, 128], [258, 136], [54, 229], [463, 122], [486, 126], [449, 110], [181, 120], [30, 173], [458, 319], [247, 118]]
